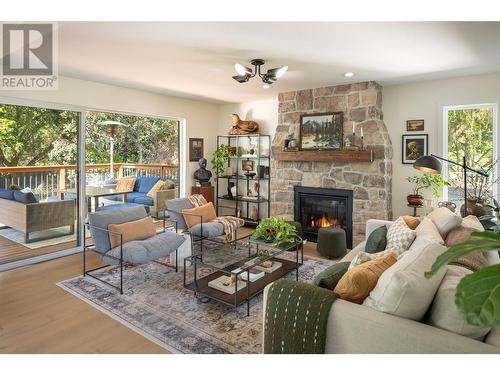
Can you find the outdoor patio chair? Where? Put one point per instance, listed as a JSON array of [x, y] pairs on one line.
[[148, 250]]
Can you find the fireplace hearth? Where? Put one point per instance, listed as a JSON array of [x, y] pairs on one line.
[[316, 208]]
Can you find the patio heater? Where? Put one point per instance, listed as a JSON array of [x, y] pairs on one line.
[[113, 127]]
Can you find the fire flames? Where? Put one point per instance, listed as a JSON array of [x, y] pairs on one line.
[[323, 222]]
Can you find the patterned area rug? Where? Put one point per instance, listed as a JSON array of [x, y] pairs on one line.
[[156, 305]]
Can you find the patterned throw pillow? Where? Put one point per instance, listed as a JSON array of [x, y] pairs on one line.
[[376, 241], [160, 185], [125, 184], [363, 257], [399, 236]]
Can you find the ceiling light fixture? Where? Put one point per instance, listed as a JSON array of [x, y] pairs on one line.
[[245, 73], [349, 74]]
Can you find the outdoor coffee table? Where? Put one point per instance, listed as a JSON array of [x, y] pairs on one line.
[[95, 192], [223, 259]]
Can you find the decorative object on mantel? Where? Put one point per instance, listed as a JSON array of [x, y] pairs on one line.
[[243, 126], [321, 131], [413, 147], [415, 125], [272, 75], [202, 175], [290, 143]]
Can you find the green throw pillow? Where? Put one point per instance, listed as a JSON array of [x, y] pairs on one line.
[[376, 240], [329, 277]]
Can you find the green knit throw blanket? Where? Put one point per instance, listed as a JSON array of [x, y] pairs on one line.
[[296, 318]]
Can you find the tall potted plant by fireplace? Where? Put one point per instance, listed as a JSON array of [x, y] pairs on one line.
[[423, 182]]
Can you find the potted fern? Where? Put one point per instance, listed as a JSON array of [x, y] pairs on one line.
[[277, 231]]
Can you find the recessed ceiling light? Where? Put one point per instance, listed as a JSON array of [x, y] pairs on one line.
[[266, 86], [349, 74]]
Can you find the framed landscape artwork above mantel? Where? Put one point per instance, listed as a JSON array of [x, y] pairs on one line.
[[321, 131]]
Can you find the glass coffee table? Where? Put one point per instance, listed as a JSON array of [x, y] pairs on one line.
[[222, 272]]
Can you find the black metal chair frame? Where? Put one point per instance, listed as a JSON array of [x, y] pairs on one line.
[[120, 260], [199, 238]]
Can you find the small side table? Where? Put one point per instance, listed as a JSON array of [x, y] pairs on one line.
[[415, 209], [206, 191]]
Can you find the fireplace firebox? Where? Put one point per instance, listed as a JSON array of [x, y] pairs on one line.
[[315, 208]]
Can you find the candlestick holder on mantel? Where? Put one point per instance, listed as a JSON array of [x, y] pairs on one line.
[[351, 146]]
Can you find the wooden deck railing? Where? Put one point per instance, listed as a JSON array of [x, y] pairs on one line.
[[48, 180]]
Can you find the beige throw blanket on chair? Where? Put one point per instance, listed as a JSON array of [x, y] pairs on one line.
[[230, 223]]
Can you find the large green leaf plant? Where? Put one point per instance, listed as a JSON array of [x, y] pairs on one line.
[[276, 230], [478, 294]]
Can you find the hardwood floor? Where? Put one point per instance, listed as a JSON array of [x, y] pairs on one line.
[[36, 316], [11, 251]]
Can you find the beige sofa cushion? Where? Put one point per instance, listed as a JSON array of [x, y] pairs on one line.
[[403, 290], [444, 313], [444, 220]]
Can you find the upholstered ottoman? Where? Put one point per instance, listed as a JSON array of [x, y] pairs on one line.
[[332, 242]]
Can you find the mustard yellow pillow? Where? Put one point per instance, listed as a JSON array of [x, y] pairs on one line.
[[132, 231], [193, 216], [358, 282], [125, 184], [160, 185], [411, 221]]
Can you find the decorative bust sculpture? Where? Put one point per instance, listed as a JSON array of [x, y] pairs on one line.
[[243, 127], [202, 175]]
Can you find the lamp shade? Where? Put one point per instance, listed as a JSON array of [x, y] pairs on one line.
[[428, 164]]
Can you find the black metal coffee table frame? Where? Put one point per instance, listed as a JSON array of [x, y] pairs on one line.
[[239, 297]]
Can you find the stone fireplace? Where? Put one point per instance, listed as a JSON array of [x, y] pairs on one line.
[[370, 182]]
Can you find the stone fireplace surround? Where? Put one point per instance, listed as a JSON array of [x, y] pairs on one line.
[[370, 182]]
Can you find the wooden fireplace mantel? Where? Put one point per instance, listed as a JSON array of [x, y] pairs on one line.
[[323, 155]]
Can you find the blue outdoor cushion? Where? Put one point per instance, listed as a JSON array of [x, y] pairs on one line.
[[119, 205], [131, 197], [26, 198], [102, 219], [7, 194], [144, 184], [145, 200], [144, 251], [117, 197]]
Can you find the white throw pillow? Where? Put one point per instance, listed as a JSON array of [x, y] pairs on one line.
[[472, 221], [427, 231], [399, 236], [444, 313], [363, 257], [444, 220], [403, 290]]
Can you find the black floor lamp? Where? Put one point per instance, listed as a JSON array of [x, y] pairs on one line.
[[431, 164]]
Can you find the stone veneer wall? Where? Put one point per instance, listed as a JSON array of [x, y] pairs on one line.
[[370, 182]]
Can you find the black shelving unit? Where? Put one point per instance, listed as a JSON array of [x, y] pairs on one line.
[[261, 157]]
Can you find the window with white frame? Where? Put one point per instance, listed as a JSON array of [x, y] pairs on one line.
[[470, 131]]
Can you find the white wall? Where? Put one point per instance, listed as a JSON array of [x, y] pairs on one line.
[[424, 100], [265, 112], [200, 118]]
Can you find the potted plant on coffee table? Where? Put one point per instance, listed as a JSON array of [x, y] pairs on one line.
[[425, 181], [277, 231]]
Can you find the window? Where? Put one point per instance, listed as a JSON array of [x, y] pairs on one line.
[[470, 131]]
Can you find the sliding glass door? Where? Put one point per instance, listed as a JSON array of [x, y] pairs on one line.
[[38, 181]]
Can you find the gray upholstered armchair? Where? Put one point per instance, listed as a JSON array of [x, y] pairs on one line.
[[148, 250], [201, 233]]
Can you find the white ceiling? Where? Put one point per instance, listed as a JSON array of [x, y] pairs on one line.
[[196, 60]]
